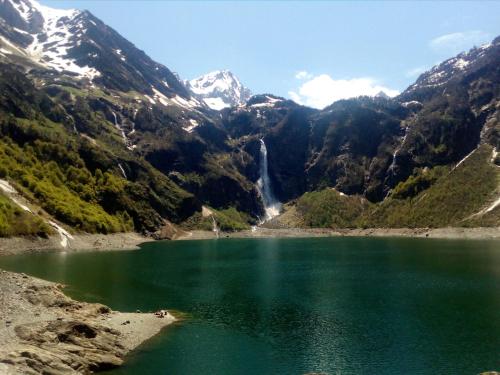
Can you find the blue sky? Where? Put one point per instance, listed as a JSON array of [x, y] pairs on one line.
[[339, 47]]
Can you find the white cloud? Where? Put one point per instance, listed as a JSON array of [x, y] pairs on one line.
[[303, 75], [457, 42], [321, 91]]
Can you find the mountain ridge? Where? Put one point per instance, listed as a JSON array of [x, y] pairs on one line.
[[79, 44]]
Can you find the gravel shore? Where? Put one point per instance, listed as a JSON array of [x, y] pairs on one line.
[[42, 331], [444, 233], [78, 242], [131, 241]]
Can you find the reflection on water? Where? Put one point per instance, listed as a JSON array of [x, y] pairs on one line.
[[291, 306]]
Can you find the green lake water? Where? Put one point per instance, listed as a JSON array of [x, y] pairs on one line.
[[293, 306]]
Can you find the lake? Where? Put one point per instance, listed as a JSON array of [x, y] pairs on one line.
[[294, 306]]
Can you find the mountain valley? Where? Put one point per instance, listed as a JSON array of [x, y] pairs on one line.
[[99, 138]]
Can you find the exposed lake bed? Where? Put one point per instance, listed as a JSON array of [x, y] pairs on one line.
[[354, 305], [44, 331]]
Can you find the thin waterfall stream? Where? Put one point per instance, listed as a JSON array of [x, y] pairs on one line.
[[215, 228]]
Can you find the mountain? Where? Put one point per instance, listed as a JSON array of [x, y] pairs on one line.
[[455, 68], [80, 100], [390, 151], [146, 151], [77, 44], [219, 89], [97, 137]]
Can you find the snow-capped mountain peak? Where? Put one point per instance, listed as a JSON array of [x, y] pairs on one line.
[[47, 34], [219, 89], [79, 45], [50, 15]]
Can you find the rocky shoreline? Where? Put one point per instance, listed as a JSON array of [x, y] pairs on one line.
[[484, 233], [42, 331], [78, 242], [131, 241]]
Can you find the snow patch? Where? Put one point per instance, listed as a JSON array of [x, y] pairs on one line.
[[57, 36], [490, 208], [216, 103], [190, 128], [12, 46], [270, 102], [460, 64], [411, 103], [21, 31], [151, 100], [176, 100], [493, 206], [464, 159], [6, 187], [185, 103], [119, 53], [494, 155]]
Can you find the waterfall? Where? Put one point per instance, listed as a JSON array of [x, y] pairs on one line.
[[215, 229], [272, 206], [65, 236], [122, 170], [396, 152], [125, 140]]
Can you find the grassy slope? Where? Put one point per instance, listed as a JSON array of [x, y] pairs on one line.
[[227, 220], [329, 209], [451, 200], [14, 221], [61, 151], [44, 162], [66, 190]]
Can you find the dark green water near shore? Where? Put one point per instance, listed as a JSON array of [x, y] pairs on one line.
[[292, 306]]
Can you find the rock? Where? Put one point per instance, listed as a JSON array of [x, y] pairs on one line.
[[65, 346], [63, 336], [103, 310], [103, 362], [168, 232]]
